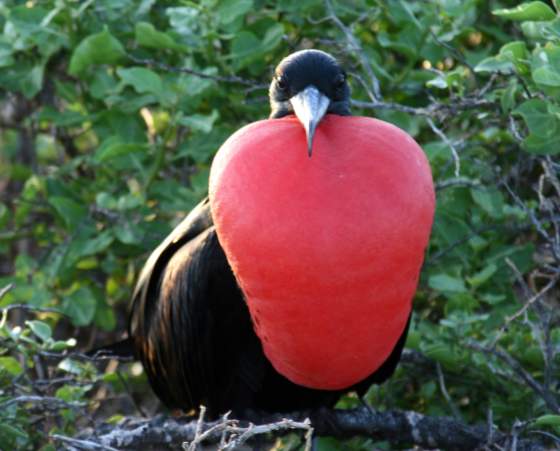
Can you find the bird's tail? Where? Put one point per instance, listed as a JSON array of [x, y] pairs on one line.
[[122, 349]]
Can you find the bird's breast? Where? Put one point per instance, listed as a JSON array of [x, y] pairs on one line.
[[327, 249]]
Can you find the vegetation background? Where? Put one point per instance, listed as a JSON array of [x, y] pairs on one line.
[[111, 112]]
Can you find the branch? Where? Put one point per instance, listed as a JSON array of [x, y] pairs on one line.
[[433, 110], [446, 140], [521, 373], [397, 427], [47, 402], [354, 47], [184, 70]]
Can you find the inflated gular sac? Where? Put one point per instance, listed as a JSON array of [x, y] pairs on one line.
[[327, 249]]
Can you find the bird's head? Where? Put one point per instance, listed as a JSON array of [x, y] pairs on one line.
[[309, 84]]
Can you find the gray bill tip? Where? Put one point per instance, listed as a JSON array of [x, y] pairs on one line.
[[310, 106]]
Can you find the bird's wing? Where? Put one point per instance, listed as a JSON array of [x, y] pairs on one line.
[[190, 325], [198, 220]]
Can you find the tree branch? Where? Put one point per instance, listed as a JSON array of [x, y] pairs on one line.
[[397, 427]]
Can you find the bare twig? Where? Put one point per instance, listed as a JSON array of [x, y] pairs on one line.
[[456, 182], [82, 444], [31, 308], [535, 298], [433, 110], [98, 357], [244, 434], [47, 402], [254, 84], [6, 289], [520, 372], [354, 47], [445, 393], [446, 140]]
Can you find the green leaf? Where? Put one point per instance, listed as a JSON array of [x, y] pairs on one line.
[[483, 276], [489, 200], [545, 66], [115, 149], [80, 306], [441, 353], [229, 10], [514, 50], [507, 99], [494, 64], [11, 365], [99, 48], [61, 345], [6, 58], [4, 215], [127, 234], [97, 244], [492, 299], [547, 420], [272, 38], [446, 283], [105, 317], [243, 46], [9, 433], [527, 11], [32, 83], [200, 122], [537, 116], [142, 80], [71, 212], [40, 329], [543, 121], [546, 77], [147, 36], [70, 366], [512, 56]]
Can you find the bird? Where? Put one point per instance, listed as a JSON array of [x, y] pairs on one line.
[[263, 297]]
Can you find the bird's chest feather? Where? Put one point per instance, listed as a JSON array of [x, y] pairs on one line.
[[327, 249]]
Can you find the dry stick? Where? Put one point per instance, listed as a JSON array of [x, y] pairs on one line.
[[82, 444], [5, 290], [447, 141], [534, 220], [490, 426], [552, 177], [98, 357], [526, 306], [433, 110], [356, 48], [233, 436], [198, 431], [445, 393], [30, 308], [457, 181], [247, 433], [183, 70], [48, 402], [514, 130]]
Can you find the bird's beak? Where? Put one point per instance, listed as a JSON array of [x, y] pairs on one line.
[[310, 105]]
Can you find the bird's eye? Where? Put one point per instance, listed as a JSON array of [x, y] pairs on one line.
[[281, 82], [339, 81]]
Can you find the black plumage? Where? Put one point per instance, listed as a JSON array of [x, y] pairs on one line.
[[189, 324]]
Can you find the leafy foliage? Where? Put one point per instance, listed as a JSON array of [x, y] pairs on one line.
[[111, 111]]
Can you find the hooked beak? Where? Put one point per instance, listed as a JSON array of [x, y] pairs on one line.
[[310, 106]]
